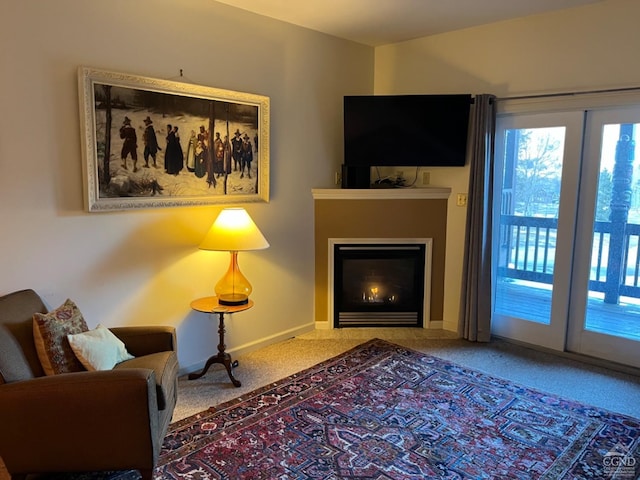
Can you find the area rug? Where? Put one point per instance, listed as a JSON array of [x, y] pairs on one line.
[[381, 411]]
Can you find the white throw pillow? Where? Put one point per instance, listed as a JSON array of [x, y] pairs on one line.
[[98, 349]]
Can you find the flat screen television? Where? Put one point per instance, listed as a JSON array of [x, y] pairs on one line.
[[406, 130]]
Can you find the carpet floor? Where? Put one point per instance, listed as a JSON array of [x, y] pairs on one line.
[[572, 379], [382, 411]]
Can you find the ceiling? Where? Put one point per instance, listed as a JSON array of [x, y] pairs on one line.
[[380, 22]]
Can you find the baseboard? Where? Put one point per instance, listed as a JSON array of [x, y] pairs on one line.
[[253, 346]]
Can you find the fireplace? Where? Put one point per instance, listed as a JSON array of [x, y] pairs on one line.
[[381, 216], [380, 283]]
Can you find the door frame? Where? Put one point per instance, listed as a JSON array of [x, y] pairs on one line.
[[579, 339], [551, 335]]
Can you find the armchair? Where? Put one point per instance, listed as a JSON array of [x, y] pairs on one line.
[[82, 421]]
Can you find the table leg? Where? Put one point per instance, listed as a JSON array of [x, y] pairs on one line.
[[222, 357]]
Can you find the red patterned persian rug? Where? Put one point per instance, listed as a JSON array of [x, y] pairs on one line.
[[381, 411]]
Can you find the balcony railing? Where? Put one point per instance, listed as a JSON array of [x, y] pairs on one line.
[[528, 253]]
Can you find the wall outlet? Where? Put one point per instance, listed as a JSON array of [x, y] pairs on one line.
[[461, 200], [338, 178], [399, 174], [426, 178]]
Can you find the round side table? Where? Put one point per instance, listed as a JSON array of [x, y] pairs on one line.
[[210, 305]]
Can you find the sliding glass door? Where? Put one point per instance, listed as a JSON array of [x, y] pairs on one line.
[[566, 231], [537, 164], [604, 319]]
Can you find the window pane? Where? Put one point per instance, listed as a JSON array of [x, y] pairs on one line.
[[528, 222], [613, 305]]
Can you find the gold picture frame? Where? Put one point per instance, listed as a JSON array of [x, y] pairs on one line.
[[150, 143]]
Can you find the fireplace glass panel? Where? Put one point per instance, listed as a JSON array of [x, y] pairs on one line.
[[379, 285], [377, 282]]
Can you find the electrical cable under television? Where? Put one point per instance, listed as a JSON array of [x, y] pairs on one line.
[[390, 181]]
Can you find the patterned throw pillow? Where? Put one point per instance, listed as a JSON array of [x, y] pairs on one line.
[[50, 332]]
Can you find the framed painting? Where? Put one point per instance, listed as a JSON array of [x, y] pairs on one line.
[[157, 143]]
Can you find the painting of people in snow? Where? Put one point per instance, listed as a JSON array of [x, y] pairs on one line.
[[152, 143]]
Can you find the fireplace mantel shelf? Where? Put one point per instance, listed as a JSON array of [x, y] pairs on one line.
[[380, 193]]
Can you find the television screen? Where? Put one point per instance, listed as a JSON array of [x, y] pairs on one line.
[[406, 130]]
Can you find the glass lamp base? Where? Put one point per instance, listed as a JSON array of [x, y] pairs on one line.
[[233, 288], [233, 299]]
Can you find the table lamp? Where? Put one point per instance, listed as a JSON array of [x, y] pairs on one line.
[[233, 230]]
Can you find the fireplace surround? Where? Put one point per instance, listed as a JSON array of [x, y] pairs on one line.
[[385, 215]]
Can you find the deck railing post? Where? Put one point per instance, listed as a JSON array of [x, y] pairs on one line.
[[620, 204]]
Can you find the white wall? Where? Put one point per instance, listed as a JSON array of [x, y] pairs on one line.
[[592, 47], [143, 267]]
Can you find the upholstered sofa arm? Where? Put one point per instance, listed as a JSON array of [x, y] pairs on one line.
[[95, 409], [147, 339]]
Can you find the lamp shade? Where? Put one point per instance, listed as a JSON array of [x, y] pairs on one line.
[[234, 230]]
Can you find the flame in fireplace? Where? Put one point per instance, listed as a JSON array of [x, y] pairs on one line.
[[374, 294]]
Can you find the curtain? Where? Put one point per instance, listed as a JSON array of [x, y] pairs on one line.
[[475, 308]]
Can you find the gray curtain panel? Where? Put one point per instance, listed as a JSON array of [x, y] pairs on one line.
[[475, 308]]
